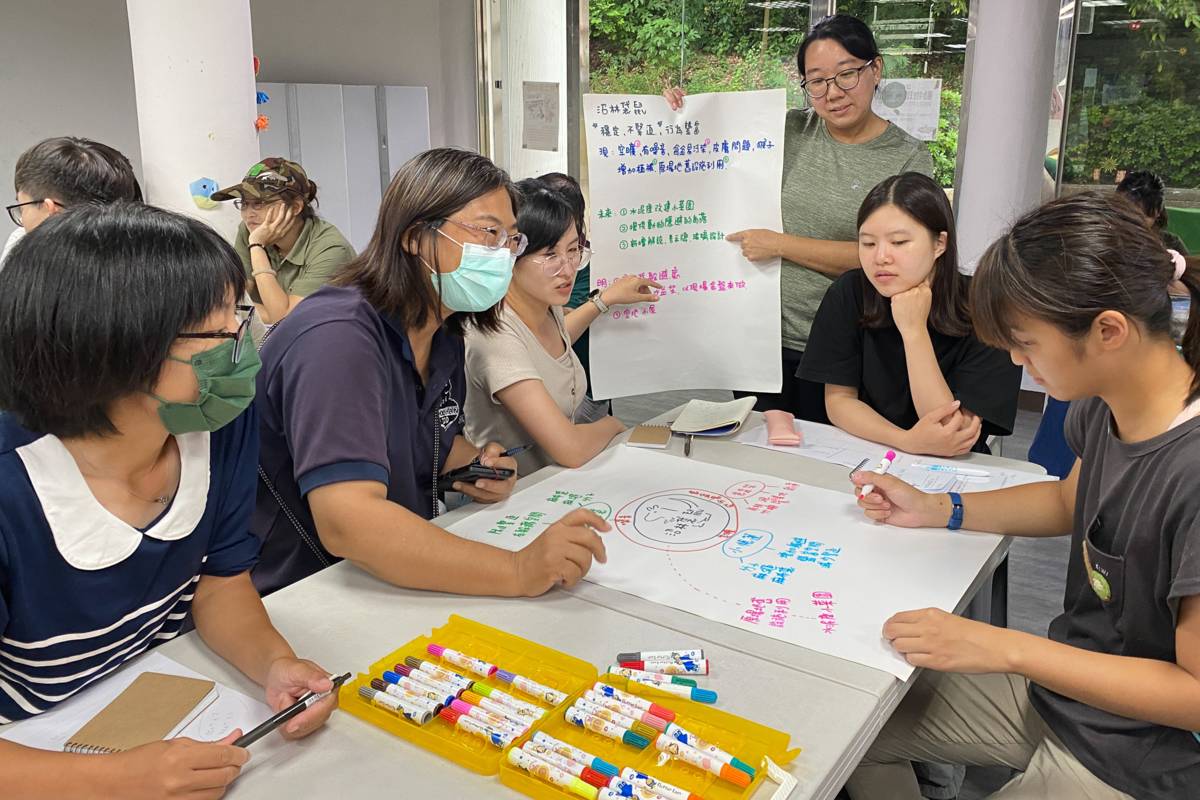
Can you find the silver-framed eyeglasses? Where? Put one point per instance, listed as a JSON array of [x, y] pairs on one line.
[[555, 264], [847, 79], [495, 238]]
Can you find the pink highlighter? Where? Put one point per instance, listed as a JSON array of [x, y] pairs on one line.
[[781, 429], [882, 469]]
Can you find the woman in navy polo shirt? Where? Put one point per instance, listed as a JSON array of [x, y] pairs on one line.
[[126, 481], [361, 396]]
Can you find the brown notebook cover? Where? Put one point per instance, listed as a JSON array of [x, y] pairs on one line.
[[656, 436], [150, 708]]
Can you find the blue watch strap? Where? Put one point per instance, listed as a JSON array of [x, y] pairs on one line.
[[956, 513]]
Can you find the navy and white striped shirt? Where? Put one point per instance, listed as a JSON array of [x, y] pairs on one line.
[[81, 592]]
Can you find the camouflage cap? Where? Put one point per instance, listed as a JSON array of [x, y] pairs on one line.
[[268, 178]]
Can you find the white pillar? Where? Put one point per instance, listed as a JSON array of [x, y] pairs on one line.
[[1006, 110], [194, 80]]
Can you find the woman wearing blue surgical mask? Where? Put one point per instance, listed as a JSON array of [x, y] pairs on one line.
[[362, 391]]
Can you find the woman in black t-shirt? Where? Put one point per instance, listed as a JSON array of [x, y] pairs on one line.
[[893, 341]]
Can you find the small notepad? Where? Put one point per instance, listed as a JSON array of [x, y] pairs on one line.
[[653, 436], [703, 418], [154, 707]]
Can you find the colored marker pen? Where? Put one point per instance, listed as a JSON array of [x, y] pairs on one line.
[[690, 755], [633, 794], [532, 688], [613, 704], [629, 672], [550, 773], [575, 754], [584, 773], [635, 701], [496, 707], [977, 473], [444, 675], [497, 736], [474, 665], [884, 465], [662, 655], [396, 705], [699, 695], [417, 699], [605, 728], [488, 718], [692, 740], [419, 678], [616, 718], [525, 709], [643, 781], [683, 666]]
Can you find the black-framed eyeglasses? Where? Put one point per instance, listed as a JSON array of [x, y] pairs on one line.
[[239, 338], [251, 205], [847, 79], [14, 211]]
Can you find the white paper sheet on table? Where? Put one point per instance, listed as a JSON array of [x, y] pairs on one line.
[[835, 446], [666, 188], [754, 551], [231, 709]]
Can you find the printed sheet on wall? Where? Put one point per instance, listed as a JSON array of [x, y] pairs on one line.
[[666, 188], [782, 559]]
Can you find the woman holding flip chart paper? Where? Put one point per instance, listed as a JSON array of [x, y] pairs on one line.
[[834, 152]]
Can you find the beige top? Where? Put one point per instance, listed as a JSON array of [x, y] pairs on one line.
[[496, 361]]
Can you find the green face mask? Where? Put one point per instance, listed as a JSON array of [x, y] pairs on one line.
[[226, 390]]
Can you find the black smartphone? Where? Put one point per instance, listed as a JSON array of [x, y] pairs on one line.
[[473, 472]]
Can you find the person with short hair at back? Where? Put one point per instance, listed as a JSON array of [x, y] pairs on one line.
[[128, 455], [1147, 190], [288, 251], [64, 171]]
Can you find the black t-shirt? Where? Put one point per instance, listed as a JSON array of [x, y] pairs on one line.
[[844, 353], [1135, 553]]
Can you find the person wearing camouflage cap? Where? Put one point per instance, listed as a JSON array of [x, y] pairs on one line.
[[287, 250]]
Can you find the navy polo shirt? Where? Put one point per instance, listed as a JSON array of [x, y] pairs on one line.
[[340, 399]]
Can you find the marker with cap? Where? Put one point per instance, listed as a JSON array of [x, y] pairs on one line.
[[632, 699], [661, 788], [416, 698], [634, 793], [550, 773], [488, 718], [682, 666], [581, 771], [396, 705], [532, 687], [605, 728], [613, 704], [496, 707], [446, 676], [419, 678], [974, 473], [470, 664], [629, 672], [690, 755], [499, 737], [699, 695], [692, 740], [520, 706], [661, 655], [884, 465], [618, 719], [575, 754]]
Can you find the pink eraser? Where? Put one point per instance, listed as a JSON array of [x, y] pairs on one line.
[[781, 429]]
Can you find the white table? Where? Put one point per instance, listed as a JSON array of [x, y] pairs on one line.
[[344, 619]]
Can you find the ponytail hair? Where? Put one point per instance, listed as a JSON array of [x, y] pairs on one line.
[[1074, 258]]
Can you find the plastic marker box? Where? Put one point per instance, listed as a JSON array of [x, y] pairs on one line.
[[747, 740]]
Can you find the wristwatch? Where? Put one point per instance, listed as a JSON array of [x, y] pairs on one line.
[[594, 297], [956, 513]]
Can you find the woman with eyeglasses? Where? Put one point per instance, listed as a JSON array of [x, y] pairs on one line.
[[288, 251], [128, 457], [524, 382], [835, 152], [362, 391]]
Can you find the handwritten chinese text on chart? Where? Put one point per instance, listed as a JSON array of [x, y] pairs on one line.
[[666, 188], [786, 560]]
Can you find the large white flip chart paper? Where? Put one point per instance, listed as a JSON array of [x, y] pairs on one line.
[[783, 559], [666, 187]]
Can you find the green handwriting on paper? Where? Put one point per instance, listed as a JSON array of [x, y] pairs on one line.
[[515, 525]]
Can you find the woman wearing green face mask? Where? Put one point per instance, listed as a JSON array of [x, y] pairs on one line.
[[361, 396], [127, 476]]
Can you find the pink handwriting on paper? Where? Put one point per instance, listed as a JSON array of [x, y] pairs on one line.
[[824, 603], [775, 610]]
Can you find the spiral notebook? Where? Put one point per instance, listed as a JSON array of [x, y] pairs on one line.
[[152, 708]]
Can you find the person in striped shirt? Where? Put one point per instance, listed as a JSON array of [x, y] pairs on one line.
[[128, 457]]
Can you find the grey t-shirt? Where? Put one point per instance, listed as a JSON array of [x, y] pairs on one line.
[[824, 183], [1135, 552]]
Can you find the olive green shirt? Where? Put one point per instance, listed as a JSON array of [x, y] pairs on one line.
[[824, 183], [312, 262]]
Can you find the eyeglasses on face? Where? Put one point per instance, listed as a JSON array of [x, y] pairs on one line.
[[495, 238], [254, 205], [14, 210], [245, 315], [554, 264], [847, 79]]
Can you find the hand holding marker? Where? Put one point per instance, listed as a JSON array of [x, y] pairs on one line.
[[884, 465]]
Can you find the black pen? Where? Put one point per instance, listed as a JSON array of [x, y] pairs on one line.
[[509, 453], [687, 446], [295, 709]]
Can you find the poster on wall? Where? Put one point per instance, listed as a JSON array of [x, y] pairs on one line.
[[912, 103], [666, 189], [539, 117]]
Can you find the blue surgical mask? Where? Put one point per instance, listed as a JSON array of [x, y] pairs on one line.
[[479, 282]]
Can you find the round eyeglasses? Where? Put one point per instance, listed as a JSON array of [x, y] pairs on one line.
[[847, 79], [555, 264]]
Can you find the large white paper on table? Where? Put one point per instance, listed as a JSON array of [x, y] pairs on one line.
[[230, 710], [779, 558], [930, 474], [666, 188]]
